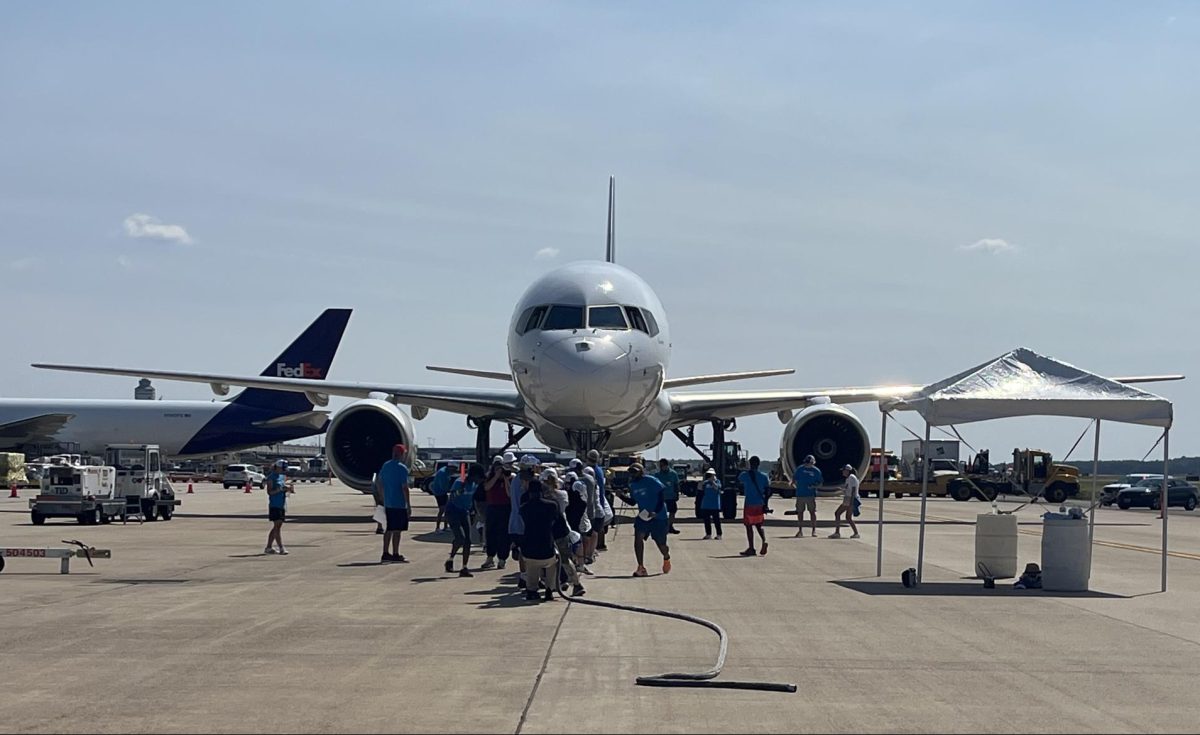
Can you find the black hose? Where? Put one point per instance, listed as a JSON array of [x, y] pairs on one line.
[[682, 679]]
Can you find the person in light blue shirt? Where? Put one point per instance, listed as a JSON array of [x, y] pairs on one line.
[[806, 481], [670, 480], [277, 492], [393, 479], [756, 486], [651, 521], [710, 503], [460, 501], [439, 486]]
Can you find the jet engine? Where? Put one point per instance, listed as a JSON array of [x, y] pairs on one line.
[[831, 434], [360, 439]]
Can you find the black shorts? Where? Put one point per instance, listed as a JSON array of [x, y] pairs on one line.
[[276, 514], [397, 519], [441, 501]]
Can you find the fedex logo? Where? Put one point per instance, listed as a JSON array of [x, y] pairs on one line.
[[303, 370]]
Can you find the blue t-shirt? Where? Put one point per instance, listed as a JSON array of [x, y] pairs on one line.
[[441, 481], [276, 481], [710, 498], [599, 478], [754, 484], [670, 480], [461, 496], [649, 494], [808, 479], [393, 477]]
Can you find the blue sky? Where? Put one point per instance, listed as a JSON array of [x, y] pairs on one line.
[[864, 193]]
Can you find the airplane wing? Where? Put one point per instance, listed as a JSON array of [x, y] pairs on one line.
[[502, 404], [33, 430], [695, 407]]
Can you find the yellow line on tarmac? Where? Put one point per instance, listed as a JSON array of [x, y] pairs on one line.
[[1098, 542]]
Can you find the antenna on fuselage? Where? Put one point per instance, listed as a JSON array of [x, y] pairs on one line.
[[610, 255]]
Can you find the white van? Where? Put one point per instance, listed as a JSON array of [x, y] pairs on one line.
[[236, 475]]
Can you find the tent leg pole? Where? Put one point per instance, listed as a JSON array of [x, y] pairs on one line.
[[882, 485], [924, 498], [1163, 503], [1095, 490]]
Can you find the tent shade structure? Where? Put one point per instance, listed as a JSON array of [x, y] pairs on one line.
[[1024, 383]]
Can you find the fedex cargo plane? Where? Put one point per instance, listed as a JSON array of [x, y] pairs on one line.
[[254, 417]]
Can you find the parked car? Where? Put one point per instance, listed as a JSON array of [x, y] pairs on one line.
[[1108, 494], [1148, 493], [236, 475]]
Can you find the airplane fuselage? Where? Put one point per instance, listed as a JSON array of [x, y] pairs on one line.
[[589, 346]]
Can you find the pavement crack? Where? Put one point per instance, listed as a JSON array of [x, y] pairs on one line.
[[541, 672]]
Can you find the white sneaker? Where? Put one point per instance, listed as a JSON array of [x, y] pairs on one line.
[[269, 550], [835, 534], [854, 535], [283, 551]]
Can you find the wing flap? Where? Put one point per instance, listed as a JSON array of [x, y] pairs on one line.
[[490, 374]]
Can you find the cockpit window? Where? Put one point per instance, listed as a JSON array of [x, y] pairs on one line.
[[650, 322], [531, 319], [564, 317], [606, 317], [636, 319]]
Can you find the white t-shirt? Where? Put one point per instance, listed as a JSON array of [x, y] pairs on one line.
[[851, 490]]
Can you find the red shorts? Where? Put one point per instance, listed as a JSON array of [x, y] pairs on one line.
[[752, 515]]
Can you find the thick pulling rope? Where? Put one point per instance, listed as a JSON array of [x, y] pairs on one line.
[[704, 679]]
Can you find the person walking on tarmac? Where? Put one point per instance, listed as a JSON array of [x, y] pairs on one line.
[[806, 481], [756, 486], [670, 480], [277, 492], [393, 478], [544, 522], [498, 507], [439, 486], [710, 503], [849, 496], [648, 494], [459, 501]]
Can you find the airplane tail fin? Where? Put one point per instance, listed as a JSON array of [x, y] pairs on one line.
[[309, 356], [610, 254]]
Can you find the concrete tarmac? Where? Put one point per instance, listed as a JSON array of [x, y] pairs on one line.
[[190, 628]]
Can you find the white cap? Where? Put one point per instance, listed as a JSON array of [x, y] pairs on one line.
[[575, 463], [509, 458], [529, 461], [497, 459], [710, 471], [847, 467], [571, 476], [589, 472], [549, 474], [281, 463]]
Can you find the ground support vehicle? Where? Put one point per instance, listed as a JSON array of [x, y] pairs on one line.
[[141, 480], [85, 493], [1033, 473]]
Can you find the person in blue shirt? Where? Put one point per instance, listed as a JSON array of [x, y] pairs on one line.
[[460, 500], [601, 521], [756, 486], [649, 495], [806, 481], [440, 486], [670, 480], [393, 479], [277, 492], [710, 503]]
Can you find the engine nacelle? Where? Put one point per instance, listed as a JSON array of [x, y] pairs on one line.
[[831, 434], [360, 439]]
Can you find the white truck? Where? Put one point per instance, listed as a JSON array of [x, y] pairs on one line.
[[141, 481], [83, 492]]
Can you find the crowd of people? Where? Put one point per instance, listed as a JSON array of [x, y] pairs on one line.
[[552, 522]]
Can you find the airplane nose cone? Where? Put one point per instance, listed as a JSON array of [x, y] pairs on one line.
[[585, 381]]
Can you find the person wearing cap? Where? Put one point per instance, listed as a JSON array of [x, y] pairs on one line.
[[498, 508], [849, 495], [710, 503], [439, 486], [544, 523], [604, 513], [651, 521], [277, 492], [587, 551], [459, 502], [516, 525], [806, 481], [756, 487], [670, 480], [393, 479]]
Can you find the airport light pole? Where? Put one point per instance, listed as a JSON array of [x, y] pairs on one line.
[[924, 498]]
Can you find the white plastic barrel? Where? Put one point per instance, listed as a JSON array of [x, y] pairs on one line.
[[996, 544], [1066, 554]]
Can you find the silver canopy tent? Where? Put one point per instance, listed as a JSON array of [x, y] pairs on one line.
[[1024, 383]]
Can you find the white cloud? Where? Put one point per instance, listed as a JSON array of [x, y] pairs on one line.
[[546, 253], [143, 226], [991, 246]]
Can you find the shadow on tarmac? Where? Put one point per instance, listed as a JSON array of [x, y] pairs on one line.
[[960, 589]]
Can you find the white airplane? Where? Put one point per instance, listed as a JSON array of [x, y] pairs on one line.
[[588, 349], [254, 417]]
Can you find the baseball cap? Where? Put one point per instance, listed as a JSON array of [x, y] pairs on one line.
[[575, 463], [809, 459], [571, 476], [593, 455], [529, 461], [847, 467], [710, 471], [400, 448], [637, 467], [281, 463], [589, 472]]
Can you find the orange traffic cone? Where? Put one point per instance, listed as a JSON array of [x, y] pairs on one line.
[[247, 492], [12, 490], [190, 491]]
